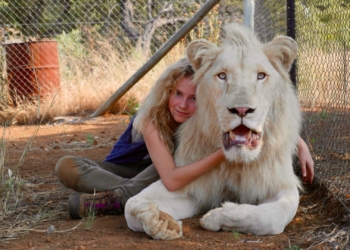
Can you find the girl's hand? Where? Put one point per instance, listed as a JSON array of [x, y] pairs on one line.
[[306, 161]]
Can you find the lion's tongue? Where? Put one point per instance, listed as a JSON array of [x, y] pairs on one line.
[[241, 131], [238, 136]]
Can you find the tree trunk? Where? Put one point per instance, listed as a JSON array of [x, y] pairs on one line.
[[143, 41], [127, 25]]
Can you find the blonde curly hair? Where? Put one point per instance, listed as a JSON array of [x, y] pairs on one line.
[[154, 107]]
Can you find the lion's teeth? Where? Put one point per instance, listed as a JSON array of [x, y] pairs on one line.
[[249, 135], [232, 135]]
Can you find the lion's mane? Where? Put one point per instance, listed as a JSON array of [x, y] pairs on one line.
[[241, 181]]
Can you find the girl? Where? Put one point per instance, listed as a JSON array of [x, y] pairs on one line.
[[143, 154]]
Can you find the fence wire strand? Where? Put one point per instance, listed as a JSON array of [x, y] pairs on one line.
[[87, 37], [86, 31]]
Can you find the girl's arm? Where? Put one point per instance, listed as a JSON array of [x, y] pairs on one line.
[[174, 177], [306, 162]]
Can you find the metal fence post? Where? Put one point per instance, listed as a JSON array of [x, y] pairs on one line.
[[248, 18], [291, 33]]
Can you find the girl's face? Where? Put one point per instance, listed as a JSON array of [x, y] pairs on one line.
[[182, 100]]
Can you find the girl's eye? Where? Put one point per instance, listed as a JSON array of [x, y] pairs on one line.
[[178, 93], [193, 98], [261, 76], [222, 76]]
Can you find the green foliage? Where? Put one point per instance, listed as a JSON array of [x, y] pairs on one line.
[[323, 115], [91, 213], [293, 248], [90, 139], [324, 23], [90, 218], [71, 44], [10, 190], [209, 28], [71, 50], [3, 4], [132, 106], [236, 235]]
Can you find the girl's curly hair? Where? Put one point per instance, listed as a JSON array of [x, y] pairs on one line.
[[154, 107]]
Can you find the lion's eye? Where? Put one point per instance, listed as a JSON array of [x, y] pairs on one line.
[[261, 76], [222, 75]]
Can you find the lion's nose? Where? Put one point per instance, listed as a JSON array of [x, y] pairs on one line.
[[241, 111]]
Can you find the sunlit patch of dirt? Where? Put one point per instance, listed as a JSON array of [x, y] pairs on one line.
[[319, 222]]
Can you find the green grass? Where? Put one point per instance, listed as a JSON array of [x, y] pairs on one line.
[[14, 200], [12, 187], [323, 115], [132, 106], [91, 213], [90, 139], [236, 235], [293, 248], [90, 218]]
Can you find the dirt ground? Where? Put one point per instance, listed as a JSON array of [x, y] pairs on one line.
[[45, 201]]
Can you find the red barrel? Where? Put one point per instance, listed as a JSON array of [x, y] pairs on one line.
[[32, 69]]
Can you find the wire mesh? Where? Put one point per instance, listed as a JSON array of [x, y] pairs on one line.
[[270, 19], [324, 89], [99, 44], [323, 81], [90, 37]]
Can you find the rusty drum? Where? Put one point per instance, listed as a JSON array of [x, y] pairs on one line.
[[32, 69]]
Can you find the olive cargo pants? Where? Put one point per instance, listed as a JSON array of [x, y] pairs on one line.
[[84, 175]]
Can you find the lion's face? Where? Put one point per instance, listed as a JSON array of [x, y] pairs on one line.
[[244, 84]]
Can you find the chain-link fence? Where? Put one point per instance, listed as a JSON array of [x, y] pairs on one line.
[[101, 44], [322, 31], [323, 34]]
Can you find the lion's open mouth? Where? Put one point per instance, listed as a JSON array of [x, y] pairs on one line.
[[240, 136]]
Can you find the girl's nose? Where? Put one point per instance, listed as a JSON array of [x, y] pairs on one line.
[[183, 103]]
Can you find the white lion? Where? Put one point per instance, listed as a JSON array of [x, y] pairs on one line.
[[246, 104]]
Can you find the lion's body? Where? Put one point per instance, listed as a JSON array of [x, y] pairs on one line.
[[255, 189]]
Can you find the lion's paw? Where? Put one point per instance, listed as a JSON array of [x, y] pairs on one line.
[[163, 227], [211, 220], [145, 216]]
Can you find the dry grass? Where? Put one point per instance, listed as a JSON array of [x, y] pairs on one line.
[[89, 75], [323, 78], [92, 71], [29, 209], [334, 227], [85, 83]]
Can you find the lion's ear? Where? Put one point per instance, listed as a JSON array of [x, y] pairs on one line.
[[282, 49], [199, 51]]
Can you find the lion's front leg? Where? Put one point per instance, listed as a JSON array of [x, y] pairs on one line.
[[154, 222], [267, 218], [155, 211]]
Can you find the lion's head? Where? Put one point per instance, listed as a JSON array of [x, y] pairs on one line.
[[246, 84]]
